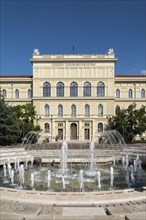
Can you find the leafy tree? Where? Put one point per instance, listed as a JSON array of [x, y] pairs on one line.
[[9, 130], [130, 122], [25, 115]]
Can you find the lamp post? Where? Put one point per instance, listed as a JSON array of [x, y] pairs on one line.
[[123, 131], [37, 119]]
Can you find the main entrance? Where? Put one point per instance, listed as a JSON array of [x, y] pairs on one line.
[[73, 131]]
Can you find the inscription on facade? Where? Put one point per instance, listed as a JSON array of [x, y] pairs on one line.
[[74, 64]]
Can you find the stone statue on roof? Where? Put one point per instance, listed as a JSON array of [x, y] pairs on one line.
[[36, 51], [110, 51]]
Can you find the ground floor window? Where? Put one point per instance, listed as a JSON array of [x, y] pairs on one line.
[[87, 134], [60, 134], [73, 131]]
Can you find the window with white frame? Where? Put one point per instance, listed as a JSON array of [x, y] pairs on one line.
[[46, 89], [142, 93], [130, 93], [100, 127], [100, 89], [47, 127], [73, 110], [47, 110], [100, 109], [17, 94], [4, 92], [117, 93], [73, 89], [60, 89], [87, 110], [87, 89], [29, 92], [60, 110]]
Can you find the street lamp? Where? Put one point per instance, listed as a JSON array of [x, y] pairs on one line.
[[37, 119]]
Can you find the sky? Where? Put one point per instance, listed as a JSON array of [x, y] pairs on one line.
[[54, 26]]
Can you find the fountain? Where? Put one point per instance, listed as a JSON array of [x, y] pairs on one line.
[[49, 179], [32, 181], [98, 180], [81, 180], [100, 167], [63, 158]]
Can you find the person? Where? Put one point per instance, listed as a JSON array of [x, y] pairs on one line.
[[52, 163]]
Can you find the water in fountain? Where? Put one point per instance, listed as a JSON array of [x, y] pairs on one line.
[[139, 172], [98, 175], [68, 176], [91, 172], [21, 176], [111, 177], [81, 180], [32, 180], [12, 177], [132, 173], [63, 183], [49, 179], [30, 138], [4, 170], [63, 158]]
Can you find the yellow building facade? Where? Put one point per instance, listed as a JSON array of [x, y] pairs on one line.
[[74, 94]]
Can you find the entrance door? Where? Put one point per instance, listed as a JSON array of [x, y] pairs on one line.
[[60, 134], [73, 131], [87, 134]]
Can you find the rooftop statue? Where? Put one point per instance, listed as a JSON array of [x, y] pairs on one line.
[[110, 51], [36, 51]]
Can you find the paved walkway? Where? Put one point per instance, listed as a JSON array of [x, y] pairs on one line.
[[37, 205]]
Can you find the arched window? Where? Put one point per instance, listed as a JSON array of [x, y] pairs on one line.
[[47, 109], [87, 110], [142, 93], [100, 127], [46, 89], [4, 92], [100, 109], [130, 93], [73, 89], [47, 127], [142, 106], [87, 89], [60, 110], [29, 93], [17, 94], [60, 89], [116, 108], [117, 93], [73, 110], [100, 89]]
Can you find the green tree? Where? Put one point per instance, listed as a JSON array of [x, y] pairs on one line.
[[130, 122], [25, 115], [9, 130]]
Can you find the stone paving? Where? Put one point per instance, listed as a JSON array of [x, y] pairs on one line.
[[28, 205]]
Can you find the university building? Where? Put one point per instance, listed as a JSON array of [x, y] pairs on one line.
[[74, 94]]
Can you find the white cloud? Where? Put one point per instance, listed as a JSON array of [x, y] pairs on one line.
[[143, 72]]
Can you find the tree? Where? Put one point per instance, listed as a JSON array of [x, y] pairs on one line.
[[9, 130], [25, 115], [130, 122]]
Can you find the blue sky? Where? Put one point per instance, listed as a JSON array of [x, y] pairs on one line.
[[54, 26]]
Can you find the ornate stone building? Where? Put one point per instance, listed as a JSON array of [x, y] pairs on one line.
[[74, 94]]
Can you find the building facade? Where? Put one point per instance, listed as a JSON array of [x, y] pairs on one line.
[[74, 94]]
